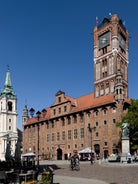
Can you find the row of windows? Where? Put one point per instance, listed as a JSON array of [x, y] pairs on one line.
[[9, 106], [69, 122], [96, 123], [65, 107], [74, 119], [75, 131], [69, 134], [57, 138], [82, 145], [59, 110]]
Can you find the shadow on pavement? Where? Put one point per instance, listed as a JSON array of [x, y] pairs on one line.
[[53, 166]]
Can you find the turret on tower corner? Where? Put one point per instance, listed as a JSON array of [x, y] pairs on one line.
[[25, 115], [111, 58]]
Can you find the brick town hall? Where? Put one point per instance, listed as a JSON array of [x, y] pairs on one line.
[[62, 129]]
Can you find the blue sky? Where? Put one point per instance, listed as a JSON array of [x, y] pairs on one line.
[[48, 46]]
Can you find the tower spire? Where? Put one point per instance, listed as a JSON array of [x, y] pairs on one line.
[[8, 90], [8, 78]]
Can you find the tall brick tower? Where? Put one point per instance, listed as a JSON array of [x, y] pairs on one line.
[[111, 58]]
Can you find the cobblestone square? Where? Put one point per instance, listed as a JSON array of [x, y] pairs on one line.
[[111, 173]]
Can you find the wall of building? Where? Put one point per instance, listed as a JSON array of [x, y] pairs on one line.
[[55, 132]]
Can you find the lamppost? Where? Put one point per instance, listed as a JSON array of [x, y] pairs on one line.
[[32, 111], [38, 148], [90, 130]]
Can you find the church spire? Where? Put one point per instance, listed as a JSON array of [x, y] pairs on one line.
[[8, 90], [8, 78]]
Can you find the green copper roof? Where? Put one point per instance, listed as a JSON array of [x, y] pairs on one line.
[[8, 86], [8, 79]]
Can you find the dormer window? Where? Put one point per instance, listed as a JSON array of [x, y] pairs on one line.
[[113, 109], [96, 113], [104, 111]]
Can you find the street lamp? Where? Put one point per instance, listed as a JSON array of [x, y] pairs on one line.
[[32, 111], [38, 116], [90, 130]]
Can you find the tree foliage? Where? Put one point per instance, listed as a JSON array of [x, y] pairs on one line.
[[8, 152], [131, 118], [18, 152]]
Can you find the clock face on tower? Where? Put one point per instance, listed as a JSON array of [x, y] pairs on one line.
[[104, 40]]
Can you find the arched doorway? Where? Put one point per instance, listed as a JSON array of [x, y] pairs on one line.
[[97, 149], [59, 153]]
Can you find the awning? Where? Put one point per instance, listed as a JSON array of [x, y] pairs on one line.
[[28, 154], [86, 150]]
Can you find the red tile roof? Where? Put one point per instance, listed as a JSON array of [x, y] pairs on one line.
[[88, 101], [81, 103]]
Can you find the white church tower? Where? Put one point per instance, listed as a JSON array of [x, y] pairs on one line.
[[8, 117]]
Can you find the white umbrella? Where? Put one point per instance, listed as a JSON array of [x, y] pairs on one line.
[[86, 150], [28, 154]]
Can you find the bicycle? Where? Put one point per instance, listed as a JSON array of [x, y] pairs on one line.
[[75, 165]]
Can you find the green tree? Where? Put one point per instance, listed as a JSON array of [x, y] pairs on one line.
[[131, 118], [8, 152], [17, 155]]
